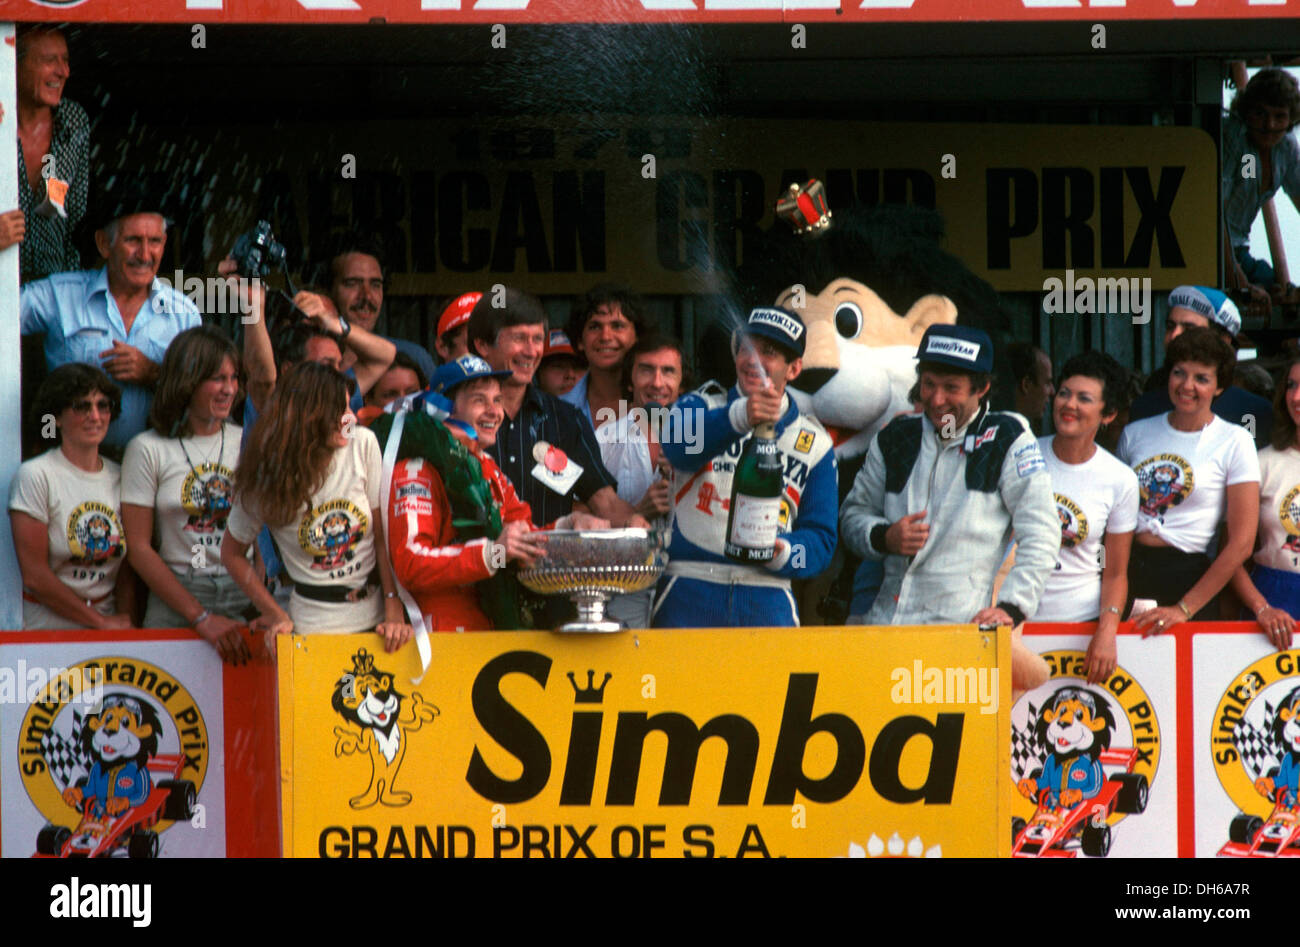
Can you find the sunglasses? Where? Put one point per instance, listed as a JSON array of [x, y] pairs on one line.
[[83, 407]]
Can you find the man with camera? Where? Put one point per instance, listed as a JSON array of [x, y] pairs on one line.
[[317, 331]]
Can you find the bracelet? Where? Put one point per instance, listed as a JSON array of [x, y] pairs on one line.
[[1112, 608], [1187, 612], [202, 617], [390, 595], [1260, 609]]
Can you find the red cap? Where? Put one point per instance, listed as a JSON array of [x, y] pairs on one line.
[[557, 343], [457, 312]]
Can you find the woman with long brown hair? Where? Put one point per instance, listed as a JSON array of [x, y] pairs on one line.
[[176, 484], [64, 508], [1269, 585], [312, 475]]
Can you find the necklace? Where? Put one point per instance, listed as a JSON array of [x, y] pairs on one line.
[[221, 455]]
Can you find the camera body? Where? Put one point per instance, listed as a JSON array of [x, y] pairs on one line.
[[256, 252]]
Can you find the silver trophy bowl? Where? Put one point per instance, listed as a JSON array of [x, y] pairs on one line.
[[590, 566]]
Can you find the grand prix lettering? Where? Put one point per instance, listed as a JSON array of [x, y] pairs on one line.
[[1084, 212]]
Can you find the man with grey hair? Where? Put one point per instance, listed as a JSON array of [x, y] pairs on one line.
[[120, 318]]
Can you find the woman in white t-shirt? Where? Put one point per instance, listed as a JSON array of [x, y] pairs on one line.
[[65, 510], [176, 485], [1097, 501], [1270, 585], [1194, 469], [313, 476]]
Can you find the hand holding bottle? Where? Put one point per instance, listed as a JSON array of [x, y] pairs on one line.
[[764, 406]]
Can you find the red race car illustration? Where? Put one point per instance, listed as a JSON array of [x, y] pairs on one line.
[[99, 835], [1062, 831], [1253, 837]]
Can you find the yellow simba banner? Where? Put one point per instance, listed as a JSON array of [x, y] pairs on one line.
[[650, 744]]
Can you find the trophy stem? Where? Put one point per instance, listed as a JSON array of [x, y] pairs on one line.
[[591, 613]]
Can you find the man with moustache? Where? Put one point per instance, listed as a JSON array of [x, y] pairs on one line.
[[356, 286]]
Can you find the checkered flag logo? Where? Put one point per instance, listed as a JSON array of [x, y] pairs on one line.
[[1256, 746], [1026, 751], [64, 756]]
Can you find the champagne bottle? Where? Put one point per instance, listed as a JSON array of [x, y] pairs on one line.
[[755, 499]]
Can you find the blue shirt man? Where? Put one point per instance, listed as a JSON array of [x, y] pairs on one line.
[[120, 318]]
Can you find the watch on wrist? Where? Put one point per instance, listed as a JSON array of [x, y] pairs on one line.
[[344, 327]]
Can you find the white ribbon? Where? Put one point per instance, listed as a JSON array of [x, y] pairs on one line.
[[385, 489]]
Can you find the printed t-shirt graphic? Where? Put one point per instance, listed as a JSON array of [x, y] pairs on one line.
[[331, 542], [80, 510], [1093, 499], [1183, 476], [1279, 509], [190, 495]]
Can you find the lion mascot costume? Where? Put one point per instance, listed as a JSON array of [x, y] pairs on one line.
[[867, 281]]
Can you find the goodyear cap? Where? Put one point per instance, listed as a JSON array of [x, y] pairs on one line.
[[1210, 303], [963, 347]]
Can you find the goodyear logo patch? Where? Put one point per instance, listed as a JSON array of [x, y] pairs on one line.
[[953, 348]]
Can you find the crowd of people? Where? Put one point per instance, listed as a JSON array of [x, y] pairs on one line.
[[324, 510]]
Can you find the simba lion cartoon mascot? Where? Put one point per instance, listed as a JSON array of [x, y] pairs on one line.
[[1282, 784], [378, 722], [121, 736], [1074, 728]]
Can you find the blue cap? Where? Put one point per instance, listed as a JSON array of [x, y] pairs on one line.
[[466, 368], [780, 326], [963, 347], [1210, 303]]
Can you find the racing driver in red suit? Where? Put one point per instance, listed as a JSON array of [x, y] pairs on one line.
[[438, 570]]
